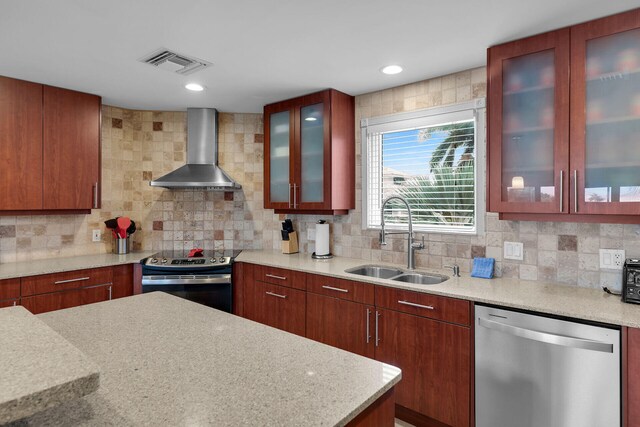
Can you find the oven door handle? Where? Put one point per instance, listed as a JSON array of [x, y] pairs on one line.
[[223, 279]]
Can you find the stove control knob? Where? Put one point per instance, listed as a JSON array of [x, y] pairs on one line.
[[213, 260], [154, 260], [222, 259], [164, 260]]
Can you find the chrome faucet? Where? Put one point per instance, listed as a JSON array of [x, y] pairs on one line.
[[411, 245]]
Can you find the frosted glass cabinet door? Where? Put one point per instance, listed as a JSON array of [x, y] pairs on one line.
[[279, 156], [529, 132], [605, 137], [528, 112], [612, 157], [312, 153]]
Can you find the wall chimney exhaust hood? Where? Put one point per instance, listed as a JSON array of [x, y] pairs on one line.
[[201, 170]]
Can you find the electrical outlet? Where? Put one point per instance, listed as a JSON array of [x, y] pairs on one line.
[[96, 235], [311, 234], [513, 250], [612, 259]]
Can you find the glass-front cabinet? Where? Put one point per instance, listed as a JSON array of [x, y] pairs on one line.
[[529, 109], [605, 132], [310, 154], [564, 123]]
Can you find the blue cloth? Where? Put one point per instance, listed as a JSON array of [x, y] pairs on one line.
[[483, 267]]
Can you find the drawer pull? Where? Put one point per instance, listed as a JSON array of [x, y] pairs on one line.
[[331, 288], [276, 295], [110, 293], [79, 279], [413, 304], [276, 277], [15, 303]]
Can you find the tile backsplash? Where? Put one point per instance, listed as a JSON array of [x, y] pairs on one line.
[[138, 146]]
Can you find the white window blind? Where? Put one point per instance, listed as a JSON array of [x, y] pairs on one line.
[[430, 158]]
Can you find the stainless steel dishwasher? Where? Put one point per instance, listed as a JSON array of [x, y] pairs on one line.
[[535, 371]]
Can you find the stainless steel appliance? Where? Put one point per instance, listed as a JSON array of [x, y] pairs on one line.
[[535, 371], [204, 279], [631, 281]]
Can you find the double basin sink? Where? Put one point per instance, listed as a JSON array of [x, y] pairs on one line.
[[391, 273]]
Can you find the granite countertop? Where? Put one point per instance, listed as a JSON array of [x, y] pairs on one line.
[[550, 298], [168, 361], [57, 265], [40, 369]]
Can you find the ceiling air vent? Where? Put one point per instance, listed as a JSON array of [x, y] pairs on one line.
[[174, 62]]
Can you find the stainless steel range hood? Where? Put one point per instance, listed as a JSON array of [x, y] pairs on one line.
[[201, 170]]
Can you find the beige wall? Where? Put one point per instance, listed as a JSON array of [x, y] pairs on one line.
[[135, 151]]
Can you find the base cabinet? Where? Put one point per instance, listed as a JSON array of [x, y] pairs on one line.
[[276, 306], [339, 323], [631, 373], [67, 299], [435, 359]]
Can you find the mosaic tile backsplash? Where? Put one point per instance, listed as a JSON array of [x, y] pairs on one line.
[[140, 145]]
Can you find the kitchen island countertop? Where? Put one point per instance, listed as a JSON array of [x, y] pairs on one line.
[[167, 361]]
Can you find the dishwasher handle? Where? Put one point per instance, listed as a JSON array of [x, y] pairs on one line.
[[545, 337]]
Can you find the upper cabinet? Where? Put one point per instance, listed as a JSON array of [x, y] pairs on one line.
[[49, 149], [309, 159], [564, 123]]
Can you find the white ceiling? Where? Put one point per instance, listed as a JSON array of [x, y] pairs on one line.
[[263, 51]]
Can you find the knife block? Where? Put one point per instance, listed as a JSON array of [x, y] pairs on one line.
[[290, 246]]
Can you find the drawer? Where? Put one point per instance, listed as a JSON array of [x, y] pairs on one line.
[[276, 306], [68, 280], [9, 289], [280, 276], [341, 288], [66, 299], [435, 307]]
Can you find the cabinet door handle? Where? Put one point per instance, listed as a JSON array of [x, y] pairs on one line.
[[79, 279], [276, 277], [377, 330], [276, 295], [110, 294], [331, 288], [295, 196], [95, 196], [367, 322], [561, 190], [289, 195], [413, 304], [16, 303], [575, 190]]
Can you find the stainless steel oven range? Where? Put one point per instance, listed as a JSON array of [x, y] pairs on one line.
[[204, 279]]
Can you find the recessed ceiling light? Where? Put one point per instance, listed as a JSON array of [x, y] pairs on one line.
[[194, 87], [311, 119], [392, 69]]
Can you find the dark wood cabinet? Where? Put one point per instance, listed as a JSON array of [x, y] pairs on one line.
[[49, 149], [341, 323], [122, 281], [71, 158], [9, 289], [20, 145], [276, 306], [631, 376], [47, 283], [309, 158], [435, 358], [66, 299], [564, 109]]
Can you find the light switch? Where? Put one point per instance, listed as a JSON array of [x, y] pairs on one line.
[[514, 250]]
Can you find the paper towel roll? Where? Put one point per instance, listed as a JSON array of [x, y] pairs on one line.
[[322, 239]]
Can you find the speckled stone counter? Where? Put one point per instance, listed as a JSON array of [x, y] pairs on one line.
[[168, 361], [38, 368], [57, 265], [550, 298]]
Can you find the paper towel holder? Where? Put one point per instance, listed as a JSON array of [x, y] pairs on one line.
[[325, 256]]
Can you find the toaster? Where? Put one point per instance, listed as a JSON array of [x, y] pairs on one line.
[[631, 281]]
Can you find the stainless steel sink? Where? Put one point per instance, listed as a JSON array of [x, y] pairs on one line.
[[420, 278], [376, 271]]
